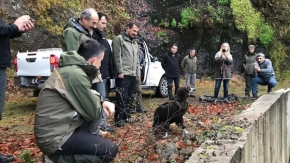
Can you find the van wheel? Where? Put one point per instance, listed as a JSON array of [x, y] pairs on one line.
[[162, 90]]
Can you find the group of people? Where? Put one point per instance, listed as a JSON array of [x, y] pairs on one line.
[[72, 107], [256, 68]]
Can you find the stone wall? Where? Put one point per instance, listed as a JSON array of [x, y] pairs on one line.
[[265, 140]]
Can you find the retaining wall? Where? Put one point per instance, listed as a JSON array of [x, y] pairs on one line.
[[266, 140]]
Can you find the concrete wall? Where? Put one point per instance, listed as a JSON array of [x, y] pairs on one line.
[[266, 140]]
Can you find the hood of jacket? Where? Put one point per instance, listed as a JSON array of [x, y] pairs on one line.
[[74, 22], [73, 58], [126, 37]]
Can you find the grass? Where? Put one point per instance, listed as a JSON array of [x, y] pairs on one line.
[[18, 116]]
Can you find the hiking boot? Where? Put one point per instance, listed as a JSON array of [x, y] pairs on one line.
[[6, 158], [269, 90], [247, 96], [192, 95], [110, 129], [140, 109], [120, 123], [254, 98], [215, 101], [132, 111], [227, 101]]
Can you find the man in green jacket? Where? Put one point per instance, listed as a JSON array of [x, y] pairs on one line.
[[189, 65], [66, 107], [79, 29], [125, 50], [248, 66]]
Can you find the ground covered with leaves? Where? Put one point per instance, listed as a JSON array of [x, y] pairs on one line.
[[136, 141]]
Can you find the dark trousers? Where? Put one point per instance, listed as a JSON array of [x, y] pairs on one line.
[[3, 80], [170, 81], [125, 91], [248, 80], [83, 142], [218, 83]]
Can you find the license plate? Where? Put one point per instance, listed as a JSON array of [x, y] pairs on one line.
[[34, 81]]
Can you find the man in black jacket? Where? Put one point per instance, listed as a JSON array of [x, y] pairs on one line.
[[7, 32], [171, 63], [107, 68]]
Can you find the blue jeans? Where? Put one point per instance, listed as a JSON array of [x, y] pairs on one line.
[[101, 88], [3, 80], [271, 83], [218, 83]]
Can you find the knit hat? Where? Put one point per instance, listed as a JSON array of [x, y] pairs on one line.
[[251, 47], [261, 55]]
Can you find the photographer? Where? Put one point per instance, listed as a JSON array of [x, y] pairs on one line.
[[265, 74], [223, 61]]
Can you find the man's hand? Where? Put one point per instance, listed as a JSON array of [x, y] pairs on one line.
[[24, 23], [138, 78], [108, 108], [257, 69], [121, 76]]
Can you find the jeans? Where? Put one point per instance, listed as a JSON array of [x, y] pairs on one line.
[[218, 83], [123, 94], [101, 88], [170, 84], [271, 83], [190, 80], [248, 80], [3, 81], [83, 142]]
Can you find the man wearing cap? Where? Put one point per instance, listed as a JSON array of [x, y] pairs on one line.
[[248, 64], [265, 74]]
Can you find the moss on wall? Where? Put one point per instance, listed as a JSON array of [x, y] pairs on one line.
[[54, 14], [249, 20]]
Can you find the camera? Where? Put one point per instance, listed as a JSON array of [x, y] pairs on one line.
[[223, 50]]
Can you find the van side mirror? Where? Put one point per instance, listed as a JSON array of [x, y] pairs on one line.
[[155, 59]]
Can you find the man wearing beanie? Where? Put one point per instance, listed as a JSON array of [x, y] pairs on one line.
[[248, 64], [265, 74]]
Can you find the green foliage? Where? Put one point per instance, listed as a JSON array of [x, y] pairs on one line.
[[164, 23], [173, 23], [223, 2], [54, 14], [155, 21], [249, 20], [278, 54], [189, 17], [125, 15], [161, 34], [216, 14], [26, 157]]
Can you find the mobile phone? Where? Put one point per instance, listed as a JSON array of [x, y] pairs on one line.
[[32, 20]]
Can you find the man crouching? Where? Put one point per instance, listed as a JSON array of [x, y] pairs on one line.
[[66, 108]]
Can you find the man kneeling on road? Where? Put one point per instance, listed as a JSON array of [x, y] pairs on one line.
[[66, 109], [263, 74]]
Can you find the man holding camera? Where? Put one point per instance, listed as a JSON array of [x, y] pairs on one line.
[[9, 31], [265, 75]]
